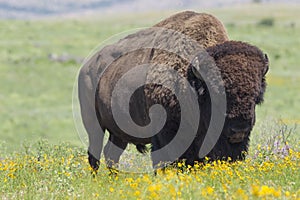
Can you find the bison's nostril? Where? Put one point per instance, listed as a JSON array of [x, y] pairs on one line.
[[237, 137], [240, 130]]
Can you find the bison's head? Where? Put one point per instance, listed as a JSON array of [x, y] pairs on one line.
[[243, 68]]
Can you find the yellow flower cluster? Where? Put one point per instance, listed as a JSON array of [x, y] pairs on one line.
[[265, 191], [70, 175]]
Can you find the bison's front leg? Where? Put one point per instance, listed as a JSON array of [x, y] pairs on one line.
[[113, 150], [159, 154]]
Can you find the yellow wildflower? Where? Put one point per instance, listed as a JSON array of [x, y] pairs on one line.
[[133, 185], [241, 194], [137, 193], [155, 187], [207, 191], [179, 193], [287, 193], [255, 190]]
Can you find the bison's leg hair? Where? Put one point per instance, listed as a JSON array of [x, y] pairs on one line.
[[113, 150], [89, 118]]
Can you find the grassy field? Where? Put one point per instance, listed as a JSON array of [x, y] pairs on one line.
[[36, 103]]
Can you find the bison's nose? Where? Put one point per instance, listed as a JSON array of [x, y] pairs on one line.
[[237, 137], [238, 134], [244, 129]]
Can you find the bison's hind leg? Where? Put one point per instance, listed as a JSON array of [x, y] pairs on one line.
[[95, 132], [113, 150]]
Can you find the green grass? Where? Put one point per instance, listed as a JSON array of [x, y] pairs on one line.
[[44, 171], [36, 94]]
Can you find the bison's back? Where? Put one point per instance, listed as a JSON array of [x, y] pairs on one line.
[[204, 28]]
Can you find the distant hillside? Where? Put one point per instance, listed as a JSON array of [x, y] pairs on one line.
[[44, 8], [36, 8]]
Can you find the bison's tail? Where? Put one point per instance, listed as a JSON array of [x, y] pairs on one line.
[[142, 148]]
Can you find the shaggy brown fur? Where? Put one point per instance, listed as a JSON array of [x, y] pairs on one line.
[[204, 28], [195, 29], [243, 67]]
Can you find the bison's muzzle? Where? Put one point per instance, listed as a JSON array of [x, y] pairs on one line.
[[237, 137], [239, 134]]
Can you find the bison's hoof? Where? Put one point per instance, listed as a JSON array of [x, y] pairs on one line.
[[94, 163], [113, 171]]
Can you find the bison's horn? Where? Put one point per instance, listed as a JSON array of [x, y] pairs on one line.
[[267, 64], [196, 72]]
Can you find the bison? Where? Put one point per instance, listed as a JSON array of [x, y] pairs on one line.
[[180, 55]]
